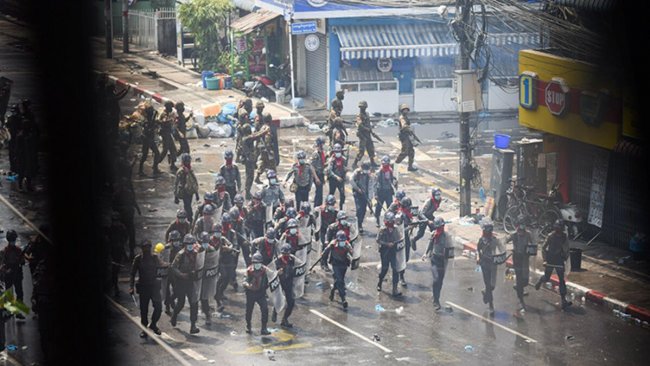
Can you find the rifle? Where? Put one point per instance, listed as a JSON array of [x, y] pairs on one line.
[[415, 137], [377, 137], [317, 261]]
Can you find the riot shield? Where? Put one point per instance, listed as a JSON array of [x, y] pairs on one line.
[[217, 214], [400, 248], [211, 270], [356, 241], [317, 216], [276, 296], [372, 180], [196, 284], [269, 216], [162, 272], [299, 272]]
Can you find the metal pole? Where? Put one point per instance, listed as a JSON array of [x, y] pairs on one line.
[[125, 26], [293, 90], [108, 23], [465, 148]]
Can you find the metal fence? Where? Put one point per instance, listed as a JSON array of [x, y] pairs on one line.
[[143, 26]]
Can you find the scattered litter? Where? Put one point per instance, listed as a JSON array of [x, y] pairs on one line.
[[570, 338], [198, 159], [469, 348], [379, 308], [153, 210], [403, 359], [367, 247], [313, 127], [478, 268], [466, 221], [270, 354], [224, 316], [449, 309], [470, 289], [319, 285], [399, 310], [151, 190], [211, 361], [145, 228], [376, 338], [233, 333], [11, 347], [401, 336], [548, 285], [206, 145], [273, 330], [24, 348]]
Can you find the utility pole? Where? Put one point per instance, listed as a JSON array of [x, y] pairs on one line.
[[465, 7], [125, 26], [108, 22]]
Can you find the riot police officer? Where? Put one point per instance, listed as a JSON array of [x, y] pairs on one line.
[[266, 246], [256, 284], [385, 186], [230, 172], [318, 161], [437, 254], [426, 213], [486, 250], [185, 272], [285, 264], [336, 170], [339, 254], [304, 174], [555, 252], [387, 239], [360, 183], [148, 286]]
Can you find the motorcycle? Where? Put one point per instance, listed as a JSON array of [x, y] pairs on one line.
[[283, 77], [259, 88], [570, 213]]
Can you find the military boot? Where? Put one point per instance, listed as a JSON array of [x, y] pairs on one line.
[[194, 329], [332, 294], [396, 292]]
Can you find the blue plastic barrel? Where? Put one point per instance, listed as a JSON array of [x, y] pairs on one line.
[[205, 75], [501, 141]]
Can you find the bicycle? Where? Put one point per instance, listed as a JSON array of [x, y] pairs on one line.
[[541, 211]]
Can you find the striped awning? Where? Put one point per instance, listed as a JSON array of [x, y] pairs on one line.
[[395, 41]]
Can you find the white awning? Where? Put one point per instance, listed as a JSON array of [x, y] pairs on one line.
[[395, 41]]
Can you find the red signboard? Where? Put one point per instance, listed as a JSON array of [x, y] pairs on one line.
[[556, 96]]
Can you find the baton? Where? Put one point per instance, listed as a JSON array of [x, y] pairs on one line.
[[134, 300], [317, 261]]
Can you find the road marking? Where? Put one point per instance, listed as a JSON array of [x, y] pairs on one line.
[[148, 331], [350, 331], [195, 355], [492, 322]]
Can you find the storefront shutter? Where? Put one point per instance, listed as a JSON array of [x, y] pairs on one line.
[[317, 71]]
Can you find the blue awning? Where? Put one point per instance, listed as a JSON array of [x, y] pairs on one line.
[[395, 41]]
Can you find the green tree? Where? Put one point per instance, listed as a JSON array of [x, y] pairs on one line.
[[206, 19]]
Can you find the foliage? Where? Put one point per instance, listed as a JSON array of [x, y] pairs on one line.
[[10, 304], [206, 19]]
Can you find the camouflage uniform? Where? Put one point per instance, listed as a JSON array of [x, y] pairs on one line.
[[246, 153], [167, 121], [405, 133], [364, 130], [264, 148]]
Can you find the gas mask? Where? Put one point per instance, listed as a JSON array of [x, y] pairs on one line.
[[293, 231], [257, 266], [338, 154]]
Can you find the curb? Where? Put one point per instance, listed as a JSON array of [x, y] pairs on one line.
[[589, 294]]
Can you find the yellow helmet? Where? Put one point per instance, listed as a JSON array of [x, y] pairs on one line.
[[159, 248]]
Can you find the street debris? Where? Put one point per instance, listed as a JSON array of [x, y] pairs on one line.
[[470, 289], [469, 348], [379, 308], [270, 354], [233, 333], [449, 309], [376, 338], [313, 127], [11, 347], [400, 359], [466, 221], [206, 145], [477, 269], [399, 310], [153, 210], [151, 190], [570, 338]]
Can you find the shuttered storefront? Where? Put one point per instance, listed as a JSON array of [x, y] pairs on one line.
[[317, 71]]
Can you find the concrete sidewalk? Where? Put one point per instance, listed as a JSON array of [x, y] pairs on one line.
[[153, 76], [604, 278]]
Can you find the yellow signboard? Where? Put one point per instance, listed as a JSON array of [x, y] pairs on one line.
[[569, 98]]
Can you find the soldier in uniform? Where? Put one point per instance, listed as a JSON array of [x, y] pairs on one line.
[[304, 175], [339, 254], [328, 216], [181, 128], [521, 239], [335, 111], [364, 134], [336, 170], [205, 222], [259, 115], [256, 216], [555, 252], [360, 183], [148, 287], [180, 224], [385, 186], [222, 243], [186, 185], [318, 160], [231, 173], [247, 105], [246, 152], [221, 195], [264, 148], [436, 253], [426, 213], [266, 246], [167, 121], [405, 137], [185, 273], [256, 284], [387, 239], [149, 130]]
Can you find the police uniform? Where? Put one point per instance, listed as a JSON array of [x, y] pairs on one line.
[[340, 259], [486, 247], [227, 266], [148, 287], [255, 219], [286, 282], [181, 130], [555, 251], [337, 168], [266, 248], [387, 239], [233, 179], [184, 272], [256, 293], [520, 260], [426, 213], [384, 190], [318, 161], [303, 177], [182, 227], [438, 257], [360, 187]]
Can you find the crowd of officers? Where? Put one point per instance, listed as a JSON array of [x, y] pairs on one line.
[[202, 245]]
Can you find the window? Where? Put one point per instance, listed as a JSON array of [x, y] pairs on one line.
[[368, 87], [350, 87], [443, 83], [424, 84], [388, 86]]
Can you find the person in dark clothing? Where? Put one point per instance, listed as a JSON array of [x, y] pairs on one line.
[[555, 252], [256, 216], [426, 213], [360, 183], [256, 284], [438, 256], [14, 126], [167, 122], [180, 224], [221, 239], [487, 248], [185, 273], [174, 245], [11, 266], [149, 130], [339, 255], [124, 203], [117, 237], [385, 186], [266, 246], [318, 160], [387, 239], [148, 286], [186, 185], [230, 172], [285, 265], [521, 240], [28, 146], [181, 128], [336, 170], [112, 108]]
